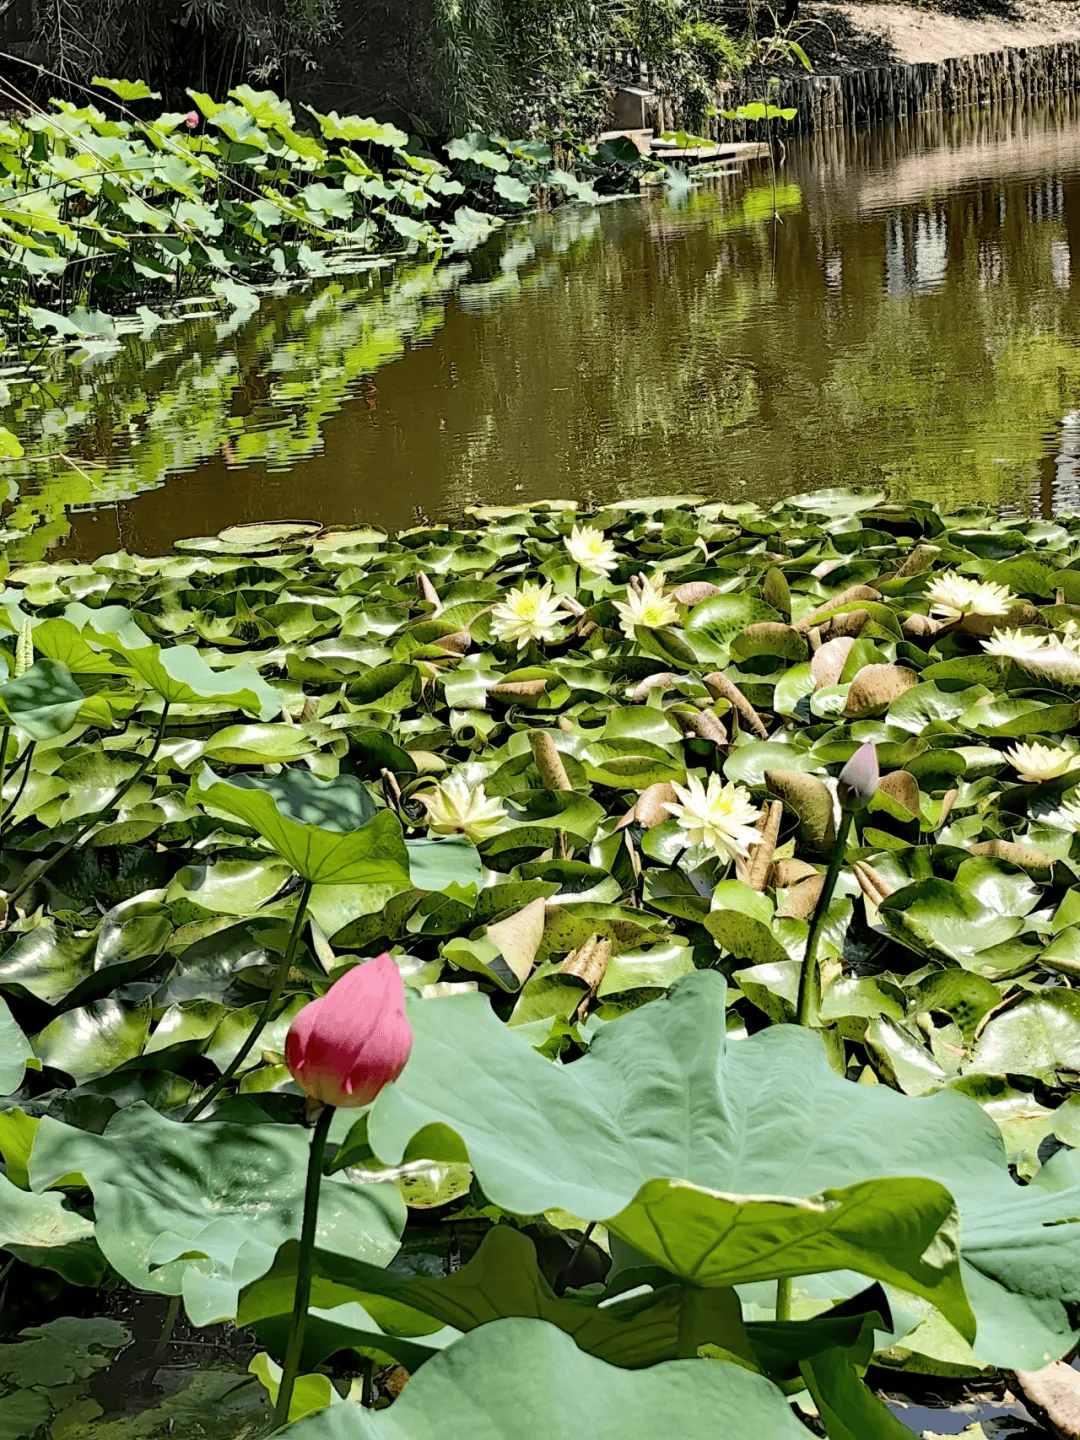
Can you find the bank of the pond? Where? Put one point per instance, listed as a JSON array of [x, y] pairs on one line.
[[874, 62]]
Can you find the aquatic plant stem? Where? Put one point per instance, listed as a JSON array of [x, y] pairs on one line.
[[114, 799], [809, 982], [168, 1325], [25, 761], [303, 1266], [783, 1298], [278, 985]]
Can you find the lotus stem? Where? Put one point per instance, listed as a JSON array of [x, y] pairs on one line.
[[280, 976], [25, 762], [783, 1298], [172, 1314], [806, 1011], [303, 1266], [114, 799]]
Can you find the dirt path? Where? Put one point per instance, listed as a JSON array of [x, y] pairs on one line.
[[868, 32]]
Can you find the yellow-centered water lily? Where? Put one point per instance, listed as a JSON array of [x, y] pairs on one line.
[[720, 817], [649, 607], [1014, 645], [591, 550], [1035, 763], [952, 595], [457, 808], [529, 612]]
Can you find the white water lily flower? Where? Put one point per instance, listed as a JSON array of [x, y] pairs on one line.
[[591, 550], [457, 808], [952, 595], [1057, 663], [1014, 645], [1065, 817], [651, 608], [529, 612], [721, 817], [1035, 763]]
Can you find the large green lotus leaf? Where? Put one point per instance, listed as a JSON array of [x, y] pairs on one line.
[[999, 887], [44, 701], [15, 1050], [436, 862], [661, 1094], [501, 1281], [848, 1408], [59, 639], [943, 919], [328, 830], [200, 1210], [902, 1231], [41, 1230], [518, 1377], [178, 673]]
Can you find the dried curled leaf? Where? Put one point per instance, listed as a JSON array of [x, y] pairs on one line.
[[919, 559], [703, 723], [660, 681], [851, 622], [904, 789], [1036, 862], [801, 900], [920, 625], [871, 882], [725, 689], [875, 687], [694, 592], [846, 597], [549, 761], [949, 799], [649, 810], [755, 869], [810, 800], [429, 593], [589, 962], [457, 643], [517, 689], [827, 664], [789, 872]]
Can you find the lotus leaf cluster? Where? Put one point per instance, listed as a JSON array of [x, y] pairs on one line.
[[576, 774], [99, 205]]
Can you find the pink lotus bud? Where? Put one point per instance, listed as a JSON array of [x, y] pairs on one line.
[[858, 779], [191, 119], [344, 1048]]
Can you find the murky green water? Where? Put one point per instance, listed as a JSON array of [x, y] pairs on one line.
[[914, 320]]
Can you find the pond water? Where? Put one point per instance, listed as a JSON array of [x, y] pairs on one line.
[[913, 321]]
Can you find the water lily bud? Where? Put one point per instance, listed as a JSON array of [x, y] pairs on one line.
[[343, 1048], [191, 119], [858, 779]]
